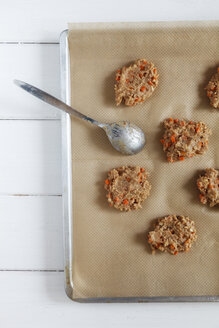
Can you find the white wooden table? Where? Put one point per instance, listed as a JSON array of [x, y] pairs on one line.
[[31, 261]]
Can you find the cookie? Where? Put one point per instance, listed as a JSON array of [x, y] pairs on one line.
[[135, 83], [212, 90], [173, 234], [127, 187], [208, 185], [184, 139]]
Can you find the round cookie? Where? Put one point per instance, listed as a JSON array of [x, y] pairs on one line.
[[135, 83], [173, 234], [208, 185], [213, 90], [127, 187]]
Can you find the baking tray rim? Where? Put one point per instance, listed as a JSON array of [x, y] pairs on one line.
[[67, 200]]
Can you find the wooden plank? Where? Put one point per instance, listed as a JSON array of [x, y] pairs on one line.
[[30, 157], [37, 299], [31, 234], [43, 21], [37, 64]]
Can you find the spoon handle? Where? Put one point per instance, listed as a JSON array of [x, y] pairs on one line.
[[54, 101]]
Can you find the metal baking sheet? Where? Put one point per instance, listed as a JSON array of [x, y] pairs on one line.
[[67, 197]]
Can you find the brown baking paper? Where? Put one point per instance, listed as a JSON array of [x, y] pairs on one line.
[[111, 254]]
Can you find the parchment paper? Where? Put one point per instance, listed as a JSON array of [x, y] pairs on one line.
[[111, 255]]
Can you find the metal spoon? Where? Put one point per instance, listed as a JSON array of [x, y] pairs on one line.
[[124, 136]]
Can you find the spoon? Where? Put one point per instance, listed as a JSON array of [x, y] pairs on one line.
[[124, 136]]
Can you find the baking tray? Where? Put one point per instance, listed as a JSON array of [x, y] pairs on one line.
[[67, 198]]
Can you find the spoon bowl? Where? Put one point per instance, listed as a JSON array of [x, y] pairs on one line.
[[125, 137]]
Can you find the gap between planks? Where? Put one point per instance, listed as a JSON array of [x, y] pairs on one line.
[[30, 119], [26, 42], [30, 270], [30, 195]]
